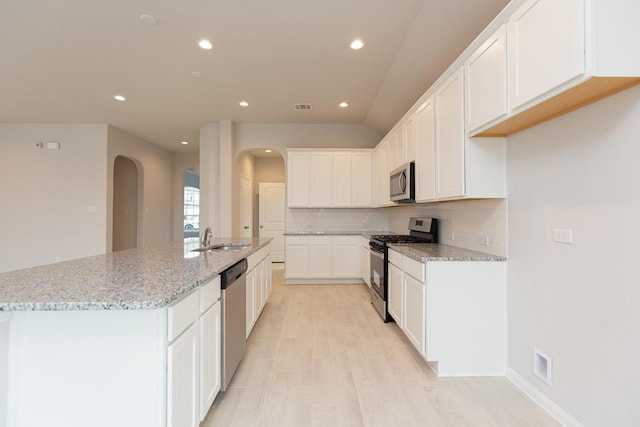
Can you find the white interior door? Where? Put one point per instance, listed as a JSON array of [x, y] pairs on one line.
[[246, 207], [271, 215]]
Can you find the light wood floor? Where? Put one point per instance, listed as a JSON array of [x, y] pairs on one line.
[[320, 356]]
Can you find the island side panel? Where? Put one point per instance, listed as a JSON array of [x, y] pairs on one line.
[[4, 365], [79, 368]]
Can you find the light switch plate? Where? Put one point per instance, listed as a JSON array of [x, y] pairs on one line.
[[563, 235]]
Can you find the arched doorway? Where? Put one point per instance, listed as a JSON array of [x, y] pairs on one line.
[[125, 204]]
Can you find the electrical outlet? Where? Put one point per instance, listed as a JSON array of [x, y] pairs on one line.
[[483, 240], [563, 235]]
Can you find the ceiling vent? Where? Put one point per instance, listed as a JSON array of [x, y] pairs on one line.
[[302, 107]]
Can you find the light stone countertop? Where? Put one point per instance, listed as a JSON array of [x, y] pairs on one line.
[[424, 252], [336, 233], [146, 278]]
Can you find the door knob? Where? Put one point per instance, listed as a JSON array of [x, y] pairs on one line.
[[246, 227]]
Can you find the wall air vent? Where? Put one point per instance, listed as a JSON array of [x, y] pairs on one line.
[[302, 107]]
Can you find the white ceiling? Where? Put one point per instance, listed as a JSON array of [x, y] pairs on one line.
[[61, 61]]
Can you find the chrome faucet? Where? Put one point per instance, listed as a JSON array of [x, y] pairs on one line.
[[206, 237]]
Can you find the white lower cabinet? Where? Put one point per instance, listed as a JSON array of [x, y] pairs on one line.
[[319, 259], [182, 380], [365, 261], [258, 281], [193, 355], [453, 312], [394, 297], [345, 252], [296, 257], [414, 311], [250, 303], [210, 354]]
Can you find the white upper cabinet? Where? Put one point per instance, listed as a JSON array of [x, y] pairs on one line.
[[362, 179], [450, 138], [409, 140], [562, 55], [298, 165], [381, 171], [486, 82], [320, 181], [449, 165], [547, 42], [425, 128], [329, 178], [342, 177]]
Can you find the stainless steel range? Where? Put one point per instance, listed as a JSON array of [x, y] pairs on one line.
[[421, 230]]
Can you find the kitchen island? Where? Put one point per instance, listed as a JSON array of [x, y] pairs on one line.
[[114, 339]]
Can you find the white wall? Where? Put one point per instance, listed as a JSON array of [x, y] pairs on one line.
[[155, 168], [468, 220], [46, 195], [579, 303], [282, 136]]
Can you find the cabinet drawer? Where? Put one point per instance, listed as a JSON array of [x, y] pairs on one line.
[[182, 314], [320, 240], [297, 240], [209, 294], [256, 258], [414, 268], [345, 240], [395, 258]]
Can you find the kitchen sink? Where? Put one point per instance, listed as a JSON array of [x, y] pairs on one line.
[[223, 247], [229, 246]]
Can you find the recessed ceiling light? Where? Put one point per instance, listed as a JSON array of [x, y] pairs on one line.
[[119, 98], [205, 44], [344, 104], [149, 19], [244, 104], [196, 74], [267, 151], [357, 44], [185, 143]]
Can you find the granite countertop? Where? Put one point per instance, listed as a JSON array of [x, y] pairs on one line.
[[336, 233], [146, 278], [436, 252]]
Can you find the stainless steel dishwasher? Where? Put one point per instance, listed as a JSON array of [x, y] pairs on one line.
[[234, 307]]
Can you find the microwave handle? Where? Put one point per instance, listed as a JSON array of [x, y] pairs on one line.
[[403, 182]]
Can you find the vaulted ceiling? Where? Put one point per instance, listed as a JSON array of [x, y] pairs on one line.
[[63, 61]]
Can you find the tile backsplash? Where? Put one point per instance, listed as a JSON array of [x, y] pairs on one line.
[[468, 221], [337, 220]]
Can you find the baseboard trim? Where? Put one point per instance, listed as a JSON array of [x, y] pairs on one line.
[[562, 416]]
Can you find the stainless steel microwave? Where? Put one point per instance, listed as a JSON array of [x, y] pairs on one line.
[[402, 187]]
